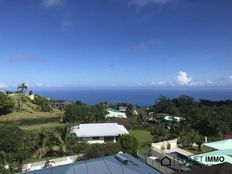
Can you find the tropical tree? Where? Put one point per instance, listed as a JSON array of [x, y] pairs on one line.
[[43, 104], [164, 105], [22, 88], [53, 141], [99, 112], [129, 144]]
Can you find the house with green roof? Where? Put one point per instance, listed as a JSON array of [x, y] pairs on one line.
[[221, 154], [113, 113]]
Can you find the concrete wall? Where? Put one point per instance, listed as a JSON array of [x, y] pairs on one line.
[[101, 140], [164, 144]]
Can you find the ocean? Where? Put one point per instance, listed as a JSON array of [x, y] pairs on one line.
[[143, 97]]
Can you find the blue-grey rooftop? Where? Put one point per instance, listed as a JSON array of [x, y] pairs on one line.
[[102, 165]]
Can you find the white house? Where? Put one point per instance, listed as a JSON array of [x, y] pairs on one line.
[[171, 118], [114, 113], [99, 132]]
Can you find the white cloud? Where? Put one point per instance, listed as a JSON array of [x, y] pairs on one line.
[[231, 78], [39, 84], [209, 82], [162, 82], [183, 79], [52, 3], [143, 3], [3, 85], [201, 83]]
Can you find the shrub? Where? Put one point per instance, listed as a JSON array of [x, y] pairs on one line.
[[6, 104], [44, 105], [129, 144], [99, 150]]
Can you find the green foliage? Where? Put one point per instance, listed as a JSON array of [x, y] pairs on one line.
[[164, 105], [160, 132], [184, 105], [99, 150], [84, 113], [129, 110], [11, 138], [76, 113], [6, 104], [44, 105], [188, 136], [208, 118], [22, 88], [98, 112], [52, 141], [129, 144], [14, 144]]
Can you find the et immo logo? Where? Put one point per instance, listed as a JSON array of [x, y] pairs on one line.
[[209, 159]]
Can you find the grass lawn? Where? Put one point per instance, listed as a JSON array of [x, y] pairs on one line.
[[144, 139], [25, 115], [29, 117], [38, 126]]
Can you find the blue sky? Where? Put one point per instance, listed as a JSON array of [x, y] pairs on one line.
[[116, 43]]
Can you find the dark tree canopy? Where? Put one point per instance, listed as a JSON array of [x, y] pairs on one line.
[[84, 113], [6, 104], [164, 105], [129, 144]]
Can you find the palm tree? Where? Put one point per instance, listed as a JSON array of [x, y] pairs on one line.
[[22, 88], [53, 141]]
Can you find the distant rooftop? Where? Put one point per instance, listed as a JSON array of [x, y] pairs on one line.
[[103, 165], [113, 110], [99, 130]]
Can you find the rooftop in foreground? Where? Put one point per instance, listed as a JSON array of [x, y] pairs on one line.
[[220, 145], [224, 168], [102, 165]]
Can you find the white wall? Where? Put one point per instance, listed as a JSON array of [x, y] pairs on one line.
[[55, 162], [101, 140], [115, 114], [158, 145]]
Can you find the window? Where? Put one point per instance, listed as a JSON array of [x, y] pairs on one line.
[[96, 138], [109, 139]]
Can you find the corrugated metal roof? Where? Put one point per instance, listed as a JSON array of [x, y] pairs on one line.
[[103, 165], [99, 130]]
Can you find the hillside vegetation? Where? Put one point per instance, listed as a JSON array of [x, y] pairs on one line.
[[30, 116]]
